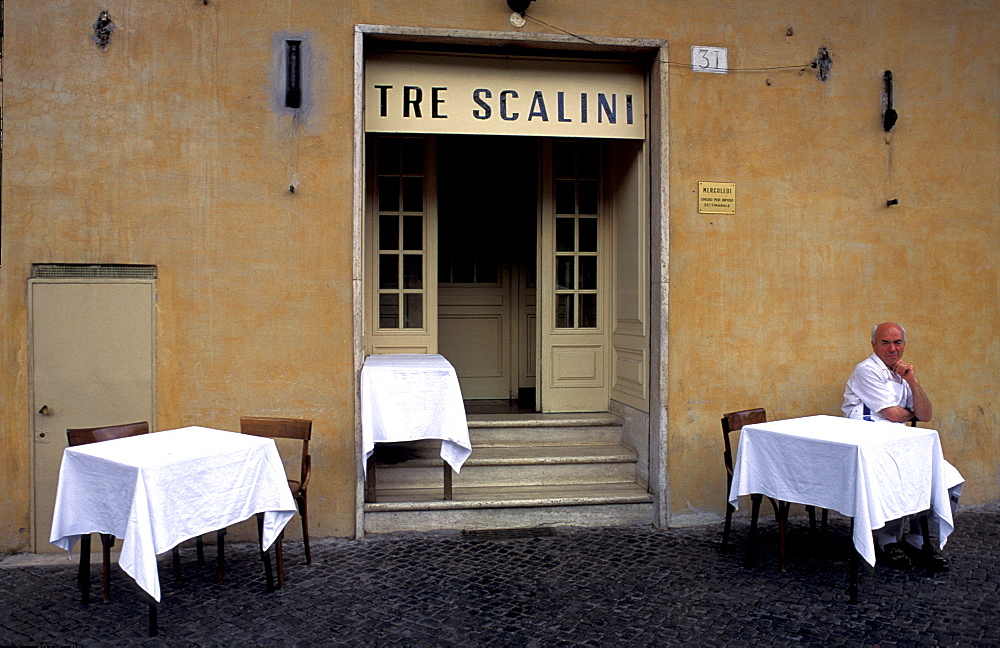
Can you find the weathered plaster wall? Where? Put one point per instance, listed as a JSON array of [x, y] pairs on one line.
[[772, 307], [170, 148]]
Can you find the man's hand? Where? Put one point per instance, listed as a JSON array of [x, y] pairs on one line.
[[921, 404], [905, 371]]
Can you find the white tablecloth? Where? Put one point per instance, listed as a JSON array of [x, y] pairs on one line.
[[405, 397], [874, 472], [153, 491]]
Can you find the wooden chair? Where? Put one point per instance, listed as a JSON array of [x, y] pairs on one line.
[[288, 428], [83, 436], [734, 422]]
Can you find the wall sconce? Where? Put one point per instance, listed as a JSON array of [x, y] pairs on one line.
[[519, 6], [103, 27], [293, 74], [889, 115], [823, 63]]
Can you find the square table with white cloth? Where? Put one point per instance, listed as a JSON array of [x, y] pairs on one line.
[[873, 472], [157, 490], [406, 397]]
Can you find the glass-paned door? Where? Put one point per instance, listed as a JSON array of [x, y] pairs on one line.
[[574, 279], [401, 240]]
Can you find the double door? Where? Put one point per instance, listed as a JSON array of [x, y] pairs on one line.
[[495, 252]]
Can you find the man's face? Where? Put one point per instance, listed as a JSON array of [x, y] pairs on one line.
[[889, 344]]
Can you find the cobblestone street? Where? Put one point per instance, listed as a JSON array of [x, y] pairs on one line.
[[565, 586]]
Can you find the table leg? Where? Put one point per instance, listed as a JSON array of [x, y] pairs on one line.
[[447, 482], [925, 531], [175, 555], [107, 541], [279, 554], [755, 499], [782, 527], [853, 567], [265, 556], [83, 575], [154, 626], [220, 561], [370, 481]]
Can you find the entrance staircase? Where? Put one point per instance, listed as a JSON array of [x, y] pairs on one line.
[[526, 470]]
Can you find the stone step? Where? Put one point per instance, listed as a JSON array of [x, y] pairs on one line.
[[509, 508], [512, 496], [420, 465], [521, 517], [526, 470], [543, 429], [428, 454], [508, 474]]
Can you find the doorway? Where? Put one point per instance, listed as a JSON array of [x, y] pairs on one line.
[[487, 198], [502, 254], [92, 363], [636, 177]]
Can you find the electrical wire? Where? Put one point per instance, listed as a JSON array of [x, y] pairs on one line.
[[813, 63], [758, 69], [537, 20]]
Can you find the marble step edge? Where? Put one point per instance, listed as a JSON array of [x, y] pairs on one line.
[[534, 420], [503, 503], [528, 456]]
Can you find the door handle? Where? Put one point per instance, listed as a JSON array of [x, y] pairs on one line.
[[44, 411]]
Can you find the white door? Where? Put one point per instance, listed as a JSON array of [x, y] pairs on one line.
[[92, 363], [574, 266], [400, 313]]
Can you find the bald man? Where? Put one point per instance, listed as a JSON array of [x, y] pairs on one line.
[[885, 388]]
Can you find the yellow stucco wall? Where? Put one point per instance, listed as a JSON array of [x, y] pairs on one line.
[[168, 148], [772, 307]]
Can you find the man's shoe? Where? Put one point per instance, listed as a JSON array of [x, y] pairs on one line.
[[892, 555], [928, 560]]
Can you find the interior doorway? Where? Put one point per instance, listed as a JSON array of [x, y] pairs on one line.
[[488, 207]]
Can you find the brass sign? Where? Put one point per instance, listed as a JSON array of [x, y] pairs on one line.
[[716, 197]]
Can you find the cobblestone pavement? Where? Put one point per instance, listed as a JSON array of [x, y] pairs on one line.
[[570, 586]]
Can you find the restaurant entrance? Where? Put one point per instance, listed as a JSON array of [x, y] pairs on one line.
[[487, 233], [503, 254], [506, 223]]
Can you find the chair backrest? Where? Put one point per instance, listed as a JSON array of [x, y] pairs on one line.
[[83, 436], [734, 422], [282, 428]]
